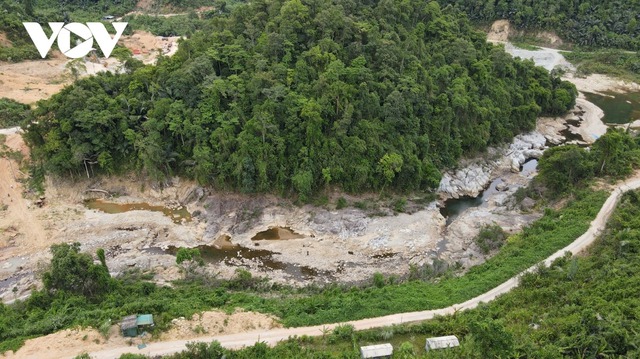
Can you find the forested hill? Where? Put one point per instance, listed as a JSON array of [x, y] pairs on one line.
[[601, 23], [284, 95]]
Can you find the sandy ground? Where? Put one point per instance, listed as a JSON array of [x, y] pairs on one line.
[[71, 342], [588, 116], [215, 322], [546, 57], [30, 81], [502, 31], [601, 83]]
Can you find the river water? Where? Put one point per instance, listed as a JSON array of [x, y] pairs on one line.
[[618, 108]]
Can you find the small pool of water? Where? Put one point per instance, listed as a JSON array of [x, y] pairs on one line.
[[618, 108], [276, 233], [178, 215], [453, 207], [529, 167], [224, 251]]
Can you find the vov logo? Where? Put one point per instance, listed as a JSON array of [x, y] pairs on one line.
[[89, 32]]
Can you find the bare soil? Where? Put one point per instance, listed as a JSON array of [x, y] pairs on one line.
[[503, 31], [30, 81], [4, 41], [34, 80], [71, 342], [597, 83], [499, 31]]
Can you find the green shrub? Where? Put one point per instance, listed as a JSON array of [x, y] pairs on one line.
[[13, 113], [490, 237], [342, 203]]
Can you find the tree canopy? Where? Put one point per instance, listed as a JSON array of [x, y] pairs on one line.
[[300, 95], [608, 23], [75, 272], [565, 168]]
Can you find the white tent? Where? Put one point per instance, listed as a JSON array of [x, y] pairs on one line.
[[449, 341], [376, 351]]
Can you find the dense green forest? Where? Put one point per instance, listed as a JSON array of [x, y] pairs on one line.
[[14, 13], [610, 23], [579, 307], [283, 95]]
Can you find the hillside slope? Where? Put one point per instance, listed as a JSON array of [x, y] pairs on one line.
[[286, 96]]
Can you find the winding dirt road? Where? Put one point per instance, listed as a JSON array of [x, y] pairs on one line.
[[272, 337]]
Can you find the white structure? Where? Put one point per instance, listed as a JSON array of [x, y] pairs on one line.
[[449, 341], [376, 351]]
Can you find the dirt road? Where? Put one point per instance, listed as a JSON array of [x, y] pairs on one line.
[[272, 337], [18, 222]]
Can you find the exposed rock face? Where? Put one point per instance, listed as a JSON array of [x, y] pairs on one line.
[[469, 181], [502, 187], [523, 147], [474, 178], [527, 204]]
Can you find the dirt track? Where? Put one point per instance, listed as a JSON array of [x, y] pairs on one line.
[[271, 337]]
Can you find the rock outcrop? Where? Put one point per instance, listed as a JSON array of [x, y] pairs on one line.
[[475, 177]]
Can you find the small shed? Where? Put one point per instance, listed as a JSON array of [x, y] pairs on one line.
[[448, 341], [128, 326], [131, 325], [377, 351]]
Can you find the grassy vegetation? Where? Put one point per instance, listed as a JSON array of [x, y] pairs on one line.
[[13, 113], [619, 63], [47, 311]]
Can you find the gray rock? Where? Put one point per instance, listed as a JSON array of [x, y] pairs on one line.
[[527, 204], [502, 187], [532, 154], [469, 181], [473, 179]]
